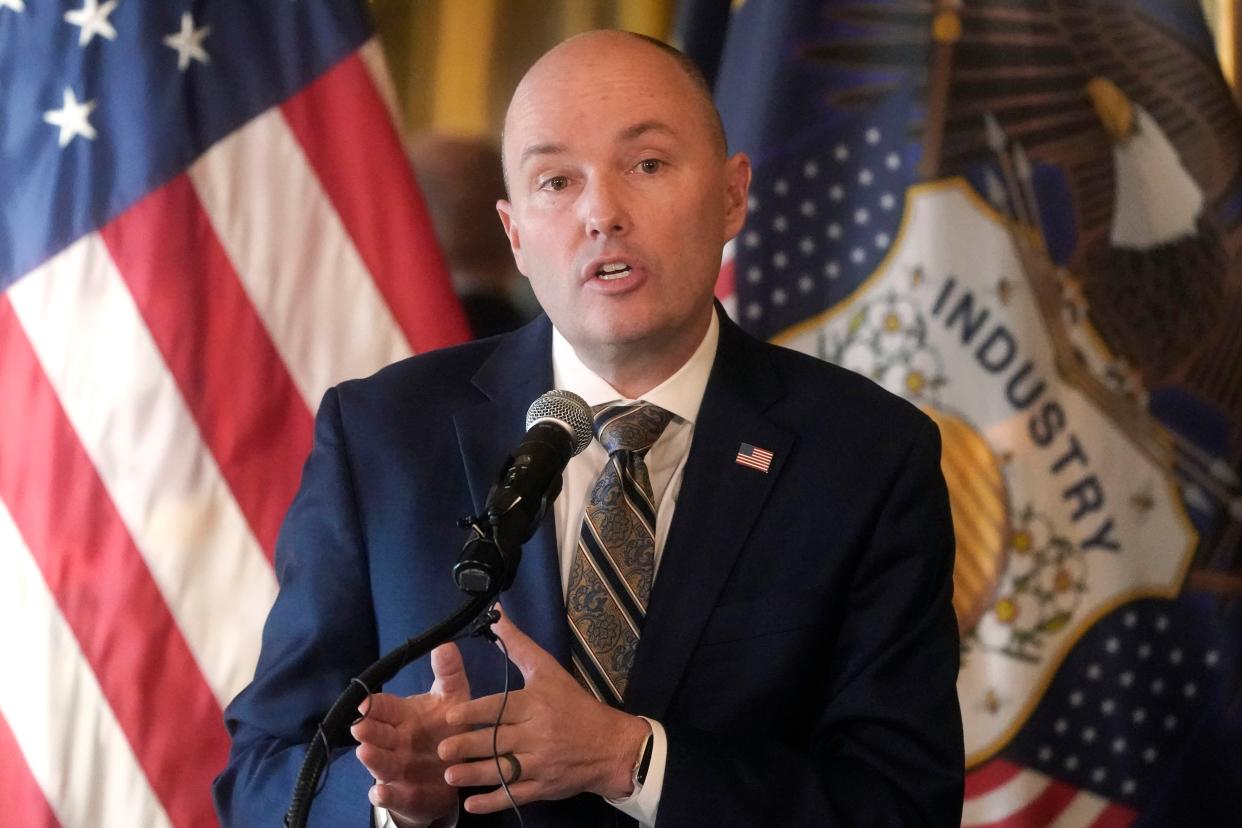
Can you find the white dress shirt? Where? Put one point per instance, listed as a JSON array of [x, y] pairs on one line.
[[682, 395]]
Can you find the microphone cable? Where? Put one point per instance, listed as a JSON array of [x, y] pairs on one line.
[[485, 630], [504, 702]]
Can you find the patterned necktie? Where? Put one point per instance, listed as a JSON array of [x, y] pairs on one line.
[[614, 564]]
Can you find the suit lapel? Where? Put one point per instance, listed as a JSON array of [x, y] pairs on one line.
[[511, 379], [718, 502]]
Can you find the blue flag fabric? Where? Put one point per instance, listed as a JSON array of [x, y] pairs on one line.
[[1026, 218]]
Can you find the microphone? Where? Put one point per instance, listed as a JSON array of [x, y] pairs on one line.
[[558, 426]]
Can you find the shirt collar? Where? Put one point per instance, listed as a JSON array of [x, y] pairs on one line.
[[682, 393]]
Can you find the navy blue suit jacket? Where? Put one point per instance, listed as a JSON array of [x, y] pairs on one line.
[[800, 645]]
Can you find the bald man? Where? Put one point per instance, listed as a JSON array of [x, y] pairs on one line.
[[788, 656]]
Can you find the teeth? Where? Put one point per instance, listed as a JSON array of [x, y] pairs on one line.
[[613, 270]]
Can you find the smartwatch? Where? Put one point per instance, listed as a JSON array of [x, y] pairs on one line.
[[639, 775]]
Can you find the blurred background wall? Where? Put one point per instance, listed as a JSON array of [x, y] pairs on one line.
[[1225, 18], [455, 62]]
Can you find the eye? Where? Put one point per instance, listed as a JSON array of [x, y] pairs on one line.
[[556, 183], [650, 165]]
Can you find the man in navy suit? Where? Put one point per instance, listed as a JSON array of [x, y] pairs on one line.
[[798, 657]]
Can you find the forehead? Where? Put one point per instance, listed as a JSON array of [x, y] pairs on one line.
[[568, 98]]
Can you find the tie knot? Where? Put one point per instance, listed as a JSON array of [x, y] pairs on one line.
[[633, 426]]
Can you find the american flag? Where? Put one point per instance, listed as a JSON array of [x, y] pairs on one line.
[[207, 220], [754, 457]]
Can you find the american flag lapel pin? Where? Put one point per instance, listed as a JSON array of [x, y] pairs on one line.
[[754, 457]]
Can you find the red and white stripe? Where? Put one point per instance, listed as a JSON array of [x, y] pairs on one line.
[[1001, 794], [159, 381], [756, 458]]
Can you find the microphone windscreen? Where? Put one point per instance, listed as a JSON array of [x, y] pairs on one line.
[[566, 409]]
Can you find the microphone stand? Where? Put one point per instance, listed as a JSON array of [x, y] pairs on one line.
[[485, 568]]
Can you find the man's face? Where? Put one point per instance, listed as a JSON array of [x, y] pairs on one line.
[[621, 198]]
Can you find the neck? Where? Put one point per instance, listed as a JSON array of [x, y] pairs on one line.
[[633, 384], [633, 369]]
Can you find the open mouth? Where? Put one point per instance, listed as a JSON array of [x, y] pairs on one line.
[[613, 270]]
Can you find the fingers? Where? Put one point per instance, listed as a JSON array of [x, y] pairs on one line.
[[476, 744], [393, 796], [449, 672], [419, 803], [525, 654], [372, 731], [483, 772], [382, 795], [381, 763], [483, 711], [489, 803], [400, 766], [382, 707]]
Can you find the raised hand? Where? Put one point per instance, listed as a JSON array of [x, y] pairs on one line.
[[399, 737], [565, 739]]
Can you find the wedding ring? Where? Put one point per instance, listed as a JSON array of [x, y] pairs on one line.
[[515, 768]]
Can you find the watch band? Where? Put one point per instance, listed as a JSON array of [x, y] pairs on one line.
[[639, 775]]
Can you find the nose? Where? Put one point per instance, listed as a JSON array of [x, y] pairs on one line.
[[603, 209]]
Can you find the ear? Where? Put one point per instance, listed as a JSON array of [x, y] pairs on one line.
[[505, 209], [737, 187]]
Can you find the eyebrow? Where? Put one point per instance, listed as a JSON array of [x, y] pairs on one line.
[[630, 133], [642, 128], [541, 149]]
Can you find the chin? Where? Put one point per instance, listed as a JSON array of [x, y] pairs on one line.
[[619, 336], [619, 324]]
